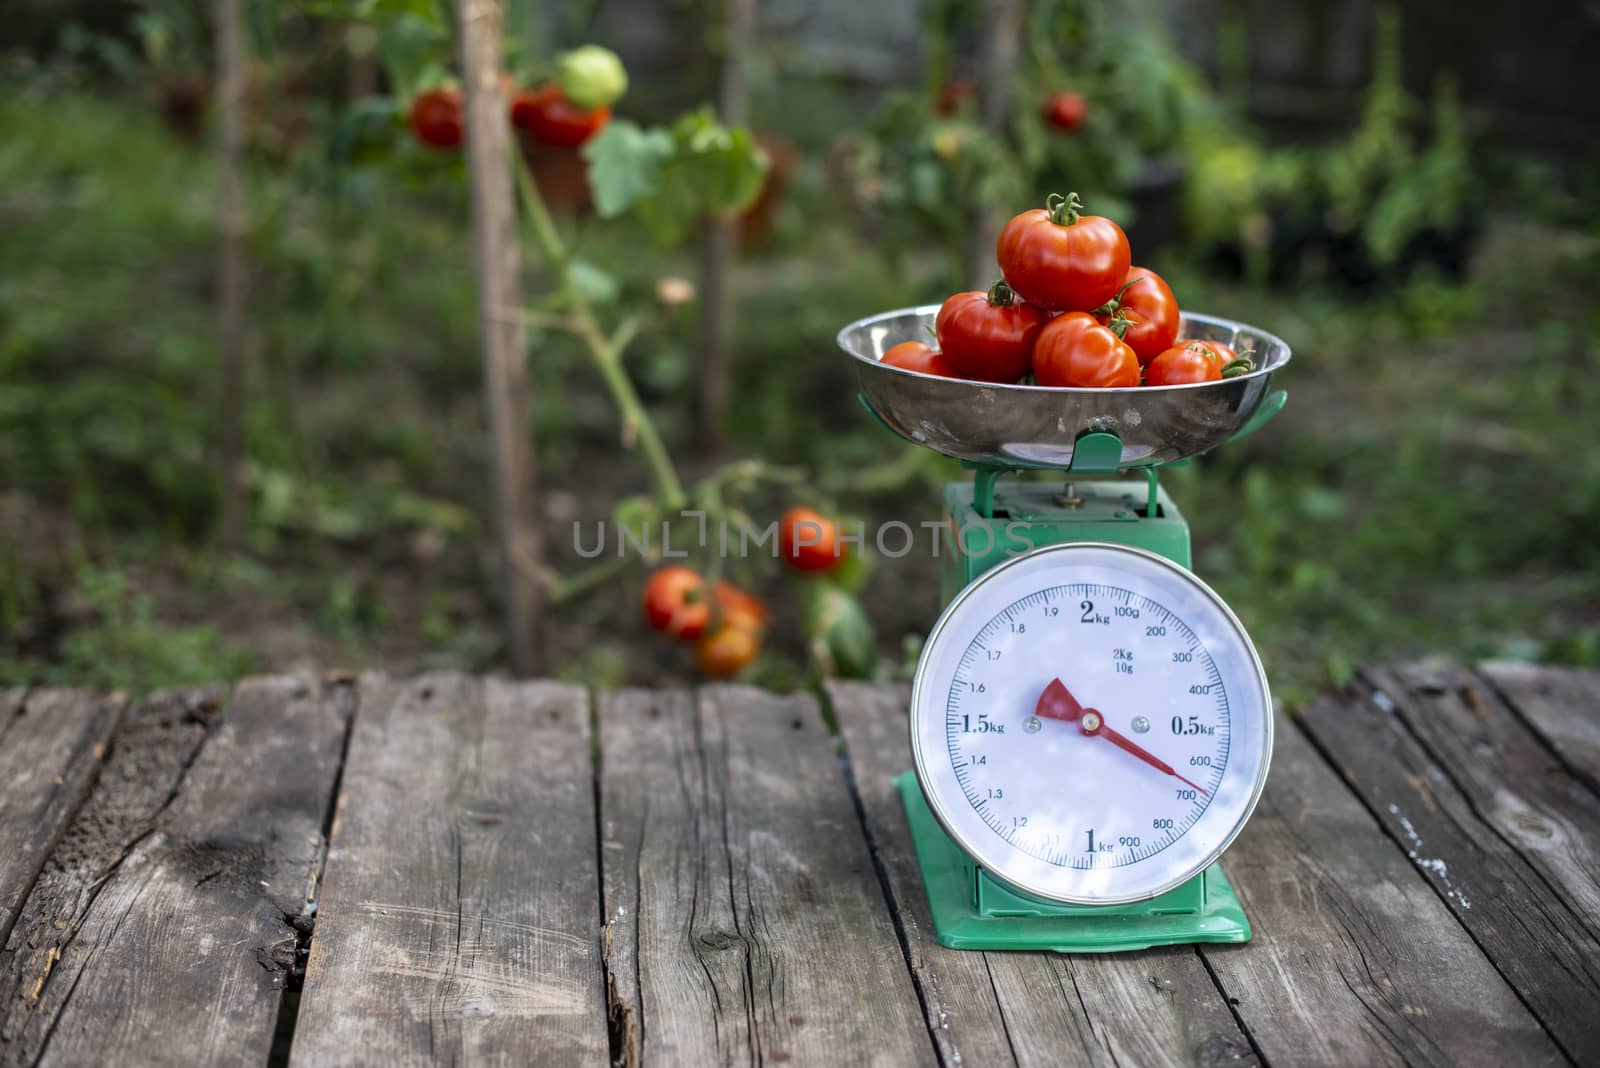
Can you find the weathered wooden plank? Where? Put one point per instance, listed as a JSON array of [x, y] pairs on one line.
[[153, 746], [1561, 704], [1545, 948], [1355, 959], [51, 745], [460, 921], [179, 950], [1154, 1008], [744, 920]]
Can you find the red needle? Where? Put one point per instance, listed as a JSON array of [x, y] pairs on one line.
[[1057, 702]]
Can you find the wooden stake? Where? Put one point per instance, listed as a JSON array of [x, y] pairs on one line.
[[1002, 21], [722, 232], [231, 270], [505, 382]]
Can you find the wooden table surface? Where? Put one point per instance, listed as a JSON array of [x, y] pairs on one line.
[[450, 869]]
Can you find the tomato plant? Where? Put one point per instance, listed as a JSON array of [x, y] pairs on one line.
[[664, 180], [809, 541], [435, 117], [1074, 350], [989, 336], [1057, 258], [1146, 301], [919, 356], [551, 118], [1066, 110]]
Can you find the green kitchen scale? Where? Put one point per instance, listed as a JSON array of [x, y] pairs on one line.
[[1090, 723]]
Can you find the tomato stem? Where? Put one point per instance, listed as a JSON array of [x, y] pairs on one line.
[[1064, 210], [1119, 325], [1001, 295], [1235, 368], [1110, 307], [604, 352]]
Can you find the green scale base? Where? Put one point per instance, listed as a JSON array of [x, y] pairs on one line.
[[973, 911]]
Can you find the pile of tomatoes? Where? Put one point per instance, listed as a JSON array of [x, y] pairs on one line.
[[1070, 310], [727, 624]]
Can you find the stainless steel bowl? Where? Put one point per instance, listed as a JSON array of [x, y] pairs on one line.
[[1037, 426]]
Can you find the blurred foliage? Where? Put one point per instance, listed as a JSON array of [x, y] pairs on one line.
[[1376, 203], [1433, 487]]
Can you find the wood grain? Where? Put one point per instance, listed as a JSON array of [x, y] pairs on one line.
[[1355, 960], [51, 745], [460, 922], [745, 922], [1491, 817], [150, 752], [1561, 704], [177, 951], [1158, 1007]]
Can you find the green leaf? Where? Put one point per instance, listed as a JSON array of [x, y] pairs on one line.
[[669, 179], [624, 160]]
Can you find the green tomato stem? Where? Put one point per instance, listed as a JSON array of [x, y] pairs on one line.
[[1110, 307], [605, 353], [1001, 295], [1064, 210]]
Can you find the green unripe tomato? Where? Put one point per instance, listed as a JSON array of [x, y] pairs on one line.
[[591, 76]]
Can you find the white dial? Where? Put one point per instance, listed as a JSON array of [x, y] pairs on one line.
[[1091, 723]]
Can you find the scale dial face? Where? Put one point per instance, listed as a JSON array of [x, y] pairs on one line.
[[1091, 723]]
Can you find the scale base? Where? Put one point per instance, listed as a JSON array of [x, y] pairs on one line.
[[973, 911]]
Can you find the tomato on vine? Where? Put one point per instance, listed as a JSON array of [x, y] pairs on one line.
[[1074, 350], [1057, 258], [591, 76], [1146, 301], [727, 650], [989, 336], [550, 118], [676, 603], [809, 541], [919, 356], [1066, 110], [736, 605], [435, 117]]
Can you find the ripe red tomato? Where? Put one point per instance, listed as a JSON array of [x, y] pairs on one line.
[[435, 117], [1146, 301], [918, 356], [552, 119], [1074, 350], [808, 541], [675, 602], [1066, 111], [988, 336], [1059, 259], [726, 651], [736, 605], [1192, 361]]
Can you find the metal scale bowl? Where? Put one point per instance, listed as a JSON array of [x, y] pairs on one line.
[[1040, 426], [996, 429]]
